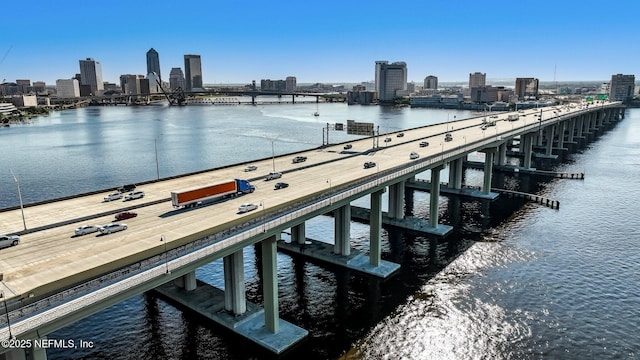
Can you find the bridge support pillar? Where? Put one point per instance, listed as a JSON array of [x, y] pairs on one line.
[[527, 141], [187, 281], [375, 228], [572, 129], [342, 226], [396, 201], [501, 159], [434, 196], [455, 173], [234, 289], [37, 353], [298, 234], [580, 126], [562, 126], [488, 168], [270, 284], [293, 99], [549, 146]]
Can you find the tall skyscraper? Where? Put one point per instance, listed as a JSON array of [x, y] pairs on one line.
[[392, 80], [431, 83], [526, 88], [193, 72], [622, 87], [153, 63], [379, 64], [91, 75], [477, 79], [176, 79]]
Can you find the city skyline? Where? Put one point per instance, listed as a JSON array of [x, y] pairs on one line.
[[327, 42]]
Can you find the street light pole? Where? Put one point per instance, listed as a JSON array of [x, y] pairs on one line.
[[24, 223], [166, 255], [155, 145], [273, 156]]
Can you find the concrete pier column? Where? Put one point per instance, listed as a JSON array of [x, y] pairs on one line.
[[375, 228], [579, 126], [293, 99], [456, 171], [434, 196], [562, 126], [38, 353], [396, 200], [501, 158], [187, 281], [342, 226], [527, 150], [14, 354], [549, 131], [298, 234], [270, 284], [572, 129], [488, 168], [234, 287]]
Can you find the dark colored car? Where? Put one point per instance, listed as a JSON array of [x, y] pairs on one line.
[[369, 164], [281, 185], [348, 146], [125, 215], [299, 159], [127, 188], [424, 144]]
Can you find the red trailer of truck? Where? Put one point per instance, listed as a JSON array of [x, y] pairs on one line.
[[195, 196]]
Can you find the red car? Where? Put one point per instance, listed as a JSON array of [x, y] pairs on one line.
[[125, 215]]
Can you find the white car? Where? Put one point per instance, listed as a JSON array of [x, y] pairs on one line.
[[111, 228], [250, 168], [414, 155], [113, 196], [273, 176], [9, 240], [87, 229], [134, 195], [246, 208]]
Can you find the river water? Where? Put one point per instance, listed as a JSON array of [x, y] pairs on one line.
[[514, 281]]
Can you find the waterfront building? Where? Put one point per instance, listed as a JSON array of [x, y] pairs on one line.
[[176, 79], [477, 79], [290, 83], [133, 84], [68, 88], [359, 95], [430, 83], [490, 94], [7, 108], [272, 85], [526, 88], [622, 87], [153, 63], [193, 72], [379, 64], [91, 75], [392, 81]]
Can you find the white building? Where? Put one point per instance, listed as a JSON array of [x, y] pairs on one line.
[[68, 88]]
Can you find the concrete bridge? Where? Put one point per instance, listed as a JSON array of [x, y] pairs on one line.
[[53, 278]]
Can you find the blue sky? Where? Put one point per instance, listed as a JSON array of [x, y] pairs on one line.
[[323, 41]]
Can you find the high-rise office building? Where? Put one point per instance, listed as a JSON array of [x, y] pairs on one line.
[[526, 88], [621, 87], [193, 72], [431, 83], [176, 79], [153, 63], [91, 75], [379, 64], [477, 79], [392, 80], [291, 83]]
